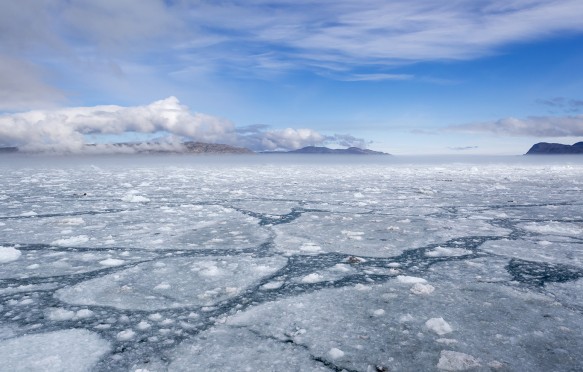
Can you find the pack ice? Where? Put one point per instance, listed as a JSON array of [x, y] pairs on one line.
[[178, 263]]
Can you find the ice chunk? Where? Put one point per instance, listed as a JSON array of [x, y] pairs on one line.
[[9, 254], [422, 289], [439, 326], [59, 314], [133, 198], [447, 252], [143, 325], [335, 353], [84, 313], [378, 312], [410, 279], [126, 335], [72, 241], [110, 262], [456, 361], [67, 350], [312, 278], [273, 285]]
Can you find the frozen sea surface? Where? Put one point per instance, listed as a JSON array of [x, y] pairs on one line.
[[299, 263]]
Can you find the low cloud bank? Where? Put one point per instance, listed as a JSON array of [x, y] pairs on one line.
[[539, 126], [66, 130]]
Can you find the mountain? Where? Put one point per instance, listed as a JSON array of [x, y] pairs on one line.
[[326, 150], [175, 148], [151, 148], [8, 150], [544, 148], [214, 148]]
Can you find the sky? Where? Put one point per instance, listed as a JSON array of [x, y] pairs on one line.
[[404, 77]]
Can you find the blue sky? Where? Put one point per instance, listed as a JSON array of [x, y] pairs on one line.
[[423, 77]]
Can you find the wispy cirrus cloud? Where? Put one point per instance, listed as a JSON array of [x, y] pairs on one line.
[[562, 104], [463, 148], [536, 126], [396, 32], [262, 38]]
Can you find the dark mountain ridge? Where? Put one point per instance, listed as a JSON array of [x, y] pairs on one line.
[[545, 148], [326, 150]]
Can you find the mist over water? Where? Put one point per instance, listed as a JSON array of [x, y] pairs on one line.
[[227, 160]]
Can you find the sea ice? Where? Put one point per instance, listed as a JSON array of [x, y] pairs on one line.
[[202, 281], [232, 349], [188, 263], [66, 350]]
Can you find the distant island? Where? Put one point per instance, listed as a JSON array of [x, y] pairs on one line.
[[544, 148], [151, 148], [193, 148], [326, 150], [184, 148]]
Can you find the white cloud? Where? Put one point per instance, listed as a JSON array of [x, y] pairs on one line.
[[539, 126], [260, 138], [290, 138], [66, 130]]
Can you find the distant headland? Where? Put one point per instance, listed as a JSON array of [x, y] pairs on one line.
[[544, 148], [326, 150]]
